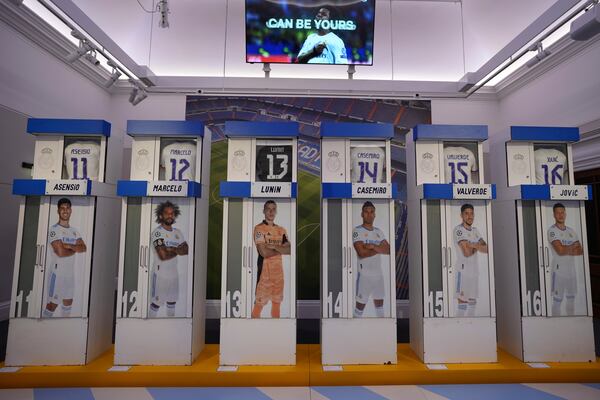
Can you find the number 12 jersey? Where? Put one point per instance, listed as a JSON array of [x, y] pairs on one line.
[[179, 161]]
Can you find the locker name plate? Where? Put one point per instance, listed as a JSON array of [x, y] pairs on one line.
[[372, 191], [271, 189], [168, 188], [569, 192], [67, 187], [467, 191]]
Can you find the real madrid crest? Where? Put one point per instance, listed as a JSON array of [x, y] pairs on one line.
[[333, 161]]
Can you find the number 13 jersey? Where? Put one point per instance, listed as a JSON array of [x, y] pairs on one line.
[[368, 164], [179, 161]]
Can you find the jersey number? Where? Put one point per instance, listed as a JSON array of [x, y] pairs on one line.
[[75, 162], [552, 176], [458, 168], [178, 175], [283, 165], [364, 169]]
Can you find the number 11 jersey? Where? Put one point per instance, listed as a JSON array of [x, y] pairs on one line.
[[179, 161], [82, 160]]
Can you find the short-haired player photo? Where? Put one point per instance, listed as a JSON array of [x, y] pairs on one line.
[[273, 247], [471, 252], [323, 46], [371, 258], [566, 259], [67, 257], [170, 258]]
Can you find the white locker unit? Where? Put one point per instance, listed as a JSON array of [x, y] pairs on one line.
[[61, 309], [543, 289], [258, 283], [451, 264], [358, 296], [162, 259]]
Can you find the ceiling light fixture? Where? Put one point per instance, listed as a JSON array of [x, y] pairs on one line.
[[83, 48], [541, 54], [586, 26], [114, 75], [163, 9]]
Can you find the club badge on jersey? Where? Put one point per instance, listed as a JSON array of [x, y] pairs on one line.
[[82, 160], [368, 164], [549, 166], [179, 161], [274, 163], [459, 162]]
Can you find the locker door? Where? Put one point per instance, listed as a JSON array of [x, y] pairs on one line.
[[468, 271], [234, 259], [144, 248], [29, 263], [565, 258], [531, 260], [335, 250], [435, 255]]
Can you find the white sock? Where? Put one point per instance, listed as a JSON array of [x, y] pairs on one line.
[[170, 309], [47, 313], [379, 312], [358, 313], [153, 311], [556, 307], [66, 310], [570, 305], [462, 308]]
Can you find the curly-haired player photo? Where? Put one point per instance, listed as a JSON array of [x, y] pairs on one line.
[[169, 247], [272, 244]]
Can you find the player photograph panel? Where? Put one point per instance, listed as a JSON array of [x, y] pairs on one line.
[[81, 158], [274, 162], [371, 258], [178, 159], [470, 260], [171, 257], [563, 235], [551, 164], [271, 258], [68, 256], [461, 162], [368, 163]]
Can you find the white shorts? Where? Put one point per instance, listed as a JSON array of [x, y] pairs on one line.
[[61, 283], [369, 285], [164, 286], [563, 284], [467, 283]]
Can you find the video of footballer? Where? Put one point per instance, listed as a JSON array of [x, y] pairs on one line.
[[272, 249], [171, 258]]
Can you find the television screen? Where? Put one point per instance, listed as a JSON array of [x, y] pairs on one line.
[[310, 31]]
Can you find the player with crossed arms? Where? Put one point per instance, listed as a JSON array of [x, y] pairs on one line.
[[168, 243], [66, 242], [369, 243], [565, 246], [469, 243]]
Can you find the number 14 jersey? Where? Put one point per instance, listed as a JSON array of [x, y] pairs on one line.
[[368, 164]]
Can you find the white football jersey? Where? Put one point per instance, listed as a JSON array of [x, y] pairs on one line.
[[179, 161], [567, 237], [68, 235], [472, 236], [550, 166], [459, 162], [82, 160], [369, 265], [368, 164], [333, 53], [163, 237]]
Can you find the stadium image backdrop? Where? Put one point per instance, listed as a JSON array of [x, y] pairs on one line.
[[309, 113]]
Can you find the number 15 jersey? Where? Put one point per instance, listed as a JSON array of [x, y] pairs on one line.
[[179, 161], [459, 162]]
